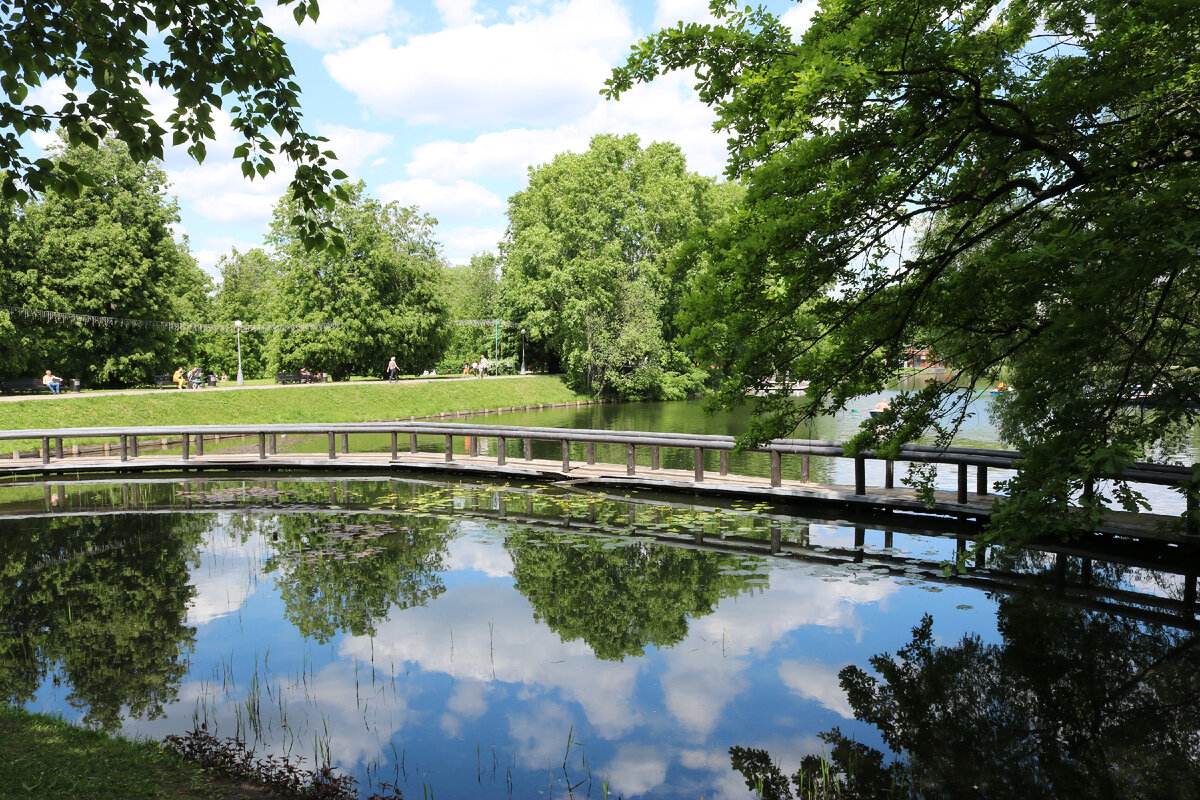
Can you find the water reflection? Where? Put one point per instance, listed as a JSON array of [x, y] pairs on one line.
[[494, 639], [1067, 704]]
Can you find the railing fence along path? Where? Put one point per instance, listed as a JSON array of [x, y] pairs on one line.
[[53, 457]]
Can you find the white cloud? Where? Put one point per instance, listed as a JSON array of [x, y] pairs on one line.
[[456, 13], [214, 247], [355, 147], [671, 12], [664, 111], [799, 17], [818, 682], [637, 769], [463, 242], [341, 22], [541, 70], [457, 201]]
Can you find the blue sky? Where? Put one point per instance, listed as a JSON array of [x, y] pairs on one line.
[[445, 104]]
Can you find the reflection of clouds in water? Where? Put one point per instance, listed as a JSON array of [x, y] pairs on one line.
[[637, 769], [228, 574], [479, 556], [540, 734], [697, 686], [468, 702], [356, 721], [485, 632], [816, 681], [718, 781]]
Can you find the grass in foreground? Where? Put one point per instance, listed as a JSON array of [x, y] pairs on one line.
[[331, 402], [45, 757]]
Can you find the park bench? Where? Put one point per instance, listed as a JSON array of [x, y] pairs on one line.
[[19, 385], [164, 381], [296, 377]]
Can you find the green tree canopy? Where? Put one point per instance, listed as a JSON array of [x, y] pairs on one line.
[[109, 252], [585, 259], [384, 291], [1013, 184], [201, 53]]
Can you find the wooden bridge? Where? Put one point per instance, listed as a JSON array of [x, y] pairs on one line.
[[457, 447]]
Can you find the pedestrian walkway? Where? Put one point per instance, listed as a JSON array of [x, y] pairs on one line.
[[230, 386]]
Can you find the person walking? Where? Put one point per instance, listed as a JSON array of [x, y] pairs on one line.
[[392, 369], [483, 365]]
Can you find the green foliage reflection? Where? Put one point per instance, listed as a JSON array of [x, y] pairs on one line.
[[620, 596], [100, 602]]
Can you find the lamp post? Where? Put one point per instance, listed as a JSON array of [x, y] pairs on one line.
[[237, 326], [522, 351]]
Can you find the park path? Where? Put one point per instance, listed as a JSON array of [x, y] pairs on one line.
[[230, 386]]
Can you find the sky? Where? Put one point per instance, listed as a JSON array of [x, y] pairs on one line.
[[445, 104]]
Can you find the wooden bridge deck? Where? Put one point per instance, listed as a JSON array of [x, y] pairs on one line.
[[600, 475]]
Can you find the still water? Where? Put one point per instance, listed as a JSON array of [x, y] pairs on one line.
[[500, 640]]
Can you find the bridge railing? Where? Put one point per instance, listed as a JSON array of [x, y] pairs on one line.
[[194, 436]]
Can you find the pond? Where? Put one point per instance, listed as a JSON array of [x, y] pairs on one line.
[[469, 639]]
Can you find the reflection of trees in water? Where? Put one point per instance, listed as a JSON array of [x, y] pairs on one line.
[[103, 600], [1069, 704], [620, 596], [346, 572]]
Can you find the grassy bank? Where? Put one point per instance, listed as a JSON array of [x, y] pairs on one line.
[[331, 402], [41, 756]]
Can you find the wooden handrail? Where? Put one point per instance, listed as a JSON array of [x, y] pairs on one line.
[[1172, 475]]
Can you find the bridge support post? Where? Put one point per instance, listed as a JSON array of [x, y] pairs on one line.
[[449, 447], [345, 444], [889, 474], [474, 445], [187, 446], [654, 457], [981, 480], [528, 445], [124, 447], [805, 468], [412, 443], [698, 463], [776, 468], [724, 465], [273, 444], [591, 452], [630, 463], [566, 455], [262, 447], [395, 446], [133, 451], [501, 452], [45, 449], [962, 483], [58, 447], [860, 475], [332, 446], [199, 444]]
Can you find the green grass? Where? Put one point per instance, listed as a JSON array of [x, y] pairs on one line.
[[44, 757], [334, 402]]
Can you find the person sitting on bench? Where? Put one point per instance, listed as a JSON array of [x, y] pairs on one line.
[[52, 381]]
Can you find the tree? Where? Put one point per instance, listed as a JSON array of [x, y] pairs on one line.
[[474, 296], [246, 293], [383, 291], [619, 600], [107, 252], [108, 54], [584, 265], [1013, 184]]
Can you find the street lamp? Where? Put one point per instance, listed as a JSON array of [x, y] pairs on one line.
[[237, 326], [522, 351]]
